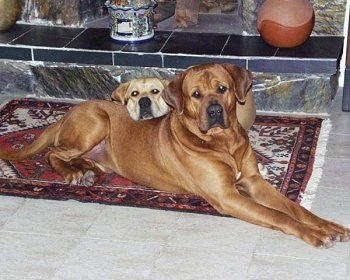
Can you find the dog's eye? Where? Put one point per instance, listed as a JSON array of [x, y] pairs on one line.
[[135, 93], [196, 94], [155, 91], [222, 89]]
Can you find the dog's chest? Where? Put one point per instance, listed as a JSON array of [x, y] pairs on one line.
[[230, 150]]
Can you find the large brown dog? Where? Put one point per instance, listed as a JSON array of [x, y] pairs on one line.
[[199, 147]]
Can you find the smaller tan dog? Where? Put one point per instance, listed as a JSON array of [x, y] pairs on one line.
[[142, 97]]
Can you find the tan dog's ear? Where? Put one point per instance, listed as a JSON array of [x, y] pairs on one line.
[[173, 94], [119, 94], [165, 82], [242, 78]]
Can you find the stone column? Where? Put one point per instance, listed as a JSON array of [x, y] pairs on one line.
[[62, 12]]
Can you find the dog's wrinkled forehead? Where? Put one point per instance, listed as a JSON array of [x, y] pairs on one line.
[[145, 85], [206, 79]]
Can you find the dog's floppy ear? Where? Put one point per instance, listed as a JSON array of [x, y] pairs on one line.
[[242, 78], [173, 94], [119, 94], [165, 82]]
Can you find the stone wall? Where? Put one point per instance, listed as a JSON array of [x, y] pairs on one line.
[[272, 92], [329, 16], [62, 12]]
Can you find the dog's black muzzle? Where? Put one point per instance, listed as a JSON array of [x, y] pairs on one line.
[[215, 114], [145, 108]]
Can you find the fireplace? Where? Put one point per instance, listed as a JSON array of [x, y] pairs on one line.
[[218, 16]]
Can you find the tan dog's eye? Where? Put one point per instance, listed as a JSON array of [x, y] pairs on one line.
[[135, 93], [155, 91], [222, 89], [196, 94]]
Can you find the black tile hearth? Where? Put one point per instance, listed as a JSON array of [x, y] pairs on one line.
[[170, 49], [15, 32], [195, 43], [96, 39], [248, 46], [325, 47], [48, 36], [185, 61], [149, 46]]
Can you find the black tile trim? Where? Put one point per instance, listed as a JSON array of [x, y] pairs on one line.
[[138, 59], [306, 66], [73, 56], [15, 53]]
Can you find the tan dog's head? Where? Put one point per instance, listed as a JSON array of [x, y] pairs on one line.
[[206, 94], [143, 98]]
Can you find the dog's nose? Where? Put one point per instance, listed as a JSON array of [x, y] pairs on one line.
[[215, 114], [145, 102], [214, 110]]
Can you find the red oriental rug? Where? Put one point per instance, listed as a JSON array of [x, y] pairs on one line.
[[285, 146]]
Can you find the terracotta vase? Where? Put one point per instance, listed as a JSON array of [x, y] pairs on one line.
[[10, 10], [285, 23]]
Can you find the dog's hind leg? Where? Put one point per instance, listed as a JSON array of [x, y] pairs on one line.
[[90, 169], [75, 168], [59, 161]]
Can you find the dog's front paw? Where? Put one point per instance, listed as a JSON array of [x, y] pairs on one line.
[[337, 232], [326, 235]]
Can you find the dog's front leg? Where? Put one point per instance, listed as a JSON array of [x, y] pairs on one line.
[[229, 201], [265, 194]]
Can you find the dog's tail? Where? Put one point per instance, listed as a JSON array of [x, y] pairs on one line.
[[45, 139]]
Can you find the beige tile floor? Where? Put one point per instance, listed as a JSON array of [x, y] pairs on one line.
[[57, 240]]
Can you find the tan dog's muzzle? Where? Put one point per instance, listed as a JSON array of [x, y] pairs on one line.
[[145, 104]]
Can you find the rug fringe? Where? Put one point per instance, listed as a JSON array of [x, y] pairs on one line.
[[320, 154]]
